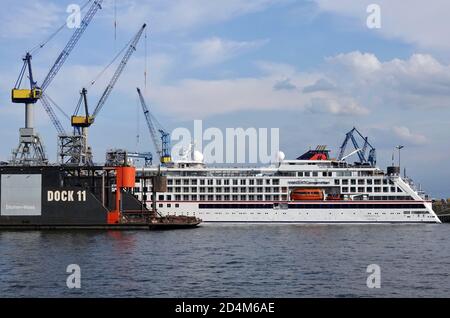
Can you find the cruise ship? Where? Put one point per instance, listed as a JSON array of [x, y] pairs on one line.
[[313, 188]]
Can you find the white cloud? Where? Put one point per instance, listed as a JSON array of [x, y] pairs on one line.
[[425, 24], [216, 50], [185, 15], [405, 134], [26, 19]]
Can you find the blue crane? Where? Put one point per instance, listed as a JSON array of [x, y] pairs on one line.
[[350, 136], [162, 146]]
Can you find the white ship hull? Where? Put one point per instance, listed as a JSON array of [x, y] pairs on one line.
[[380, 213]]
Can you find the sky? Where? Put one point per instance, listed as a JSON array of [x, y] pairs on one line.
[[312, 68]]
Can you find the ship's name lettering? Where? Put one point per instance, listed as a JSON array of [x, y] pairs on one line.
[[66, 196], [307, 182]]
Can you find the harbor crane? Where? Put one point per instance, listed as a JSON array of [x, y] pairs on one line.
[[162, 146], [361, 151], [30, 150], [73, 149]]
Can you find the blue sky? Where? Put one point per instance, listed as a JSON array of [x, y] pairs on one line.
[[311, 68]]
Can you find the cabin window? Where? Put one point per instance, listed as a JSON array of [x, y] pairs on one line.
[[194, 197], [345, 181], [234, 197], [337, 181], [243, 197], [360, 181], [202, 181], [352, 181], [169, 181], [178, 197], [235, 182], [210, 181], [243, 182], [276, 181], [177, 205], [194, 181], [315, 174], [385, 189], [307, 174], [353, 189], [185, 197], [243, 190], [177, 182], [161, 197], [251, 182], [345, 189], [300, 174], [186, 182], [360, 189]]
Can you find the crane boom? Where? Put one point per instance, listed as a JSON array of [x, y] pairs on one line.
[[118, 72], [71, 44], [55, 121], [150, 125]]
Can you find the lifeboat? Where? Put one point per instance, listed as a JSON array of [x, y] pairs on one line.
[[307, 194]]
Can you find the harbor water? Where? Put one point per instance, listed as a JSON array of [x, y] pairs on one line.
[[229, 261]]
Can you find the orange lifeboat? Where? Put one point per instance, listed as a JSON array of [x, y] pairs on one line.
[[307, 194]]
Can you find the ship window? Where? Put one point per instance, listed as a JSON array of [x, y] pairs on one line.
[[243, 182], [178, 197], [202, 181], [177, 189], [268, 189], [226, 197], [243, 190], [276, 197], [186, 182], [284, 197], [369, 181], [169, 205], [251, 190], [194, 197], [259, 190], [392, 189], [324, 174], [385, 189], [210, 182], [185, 197], [243, 197], [144, 197], [177, 182], [353, 189], [185, 189], [219, 190], [399, 190], [377, 181], [218, 198], [307, 173], [235, 182], [177, 205], [161, 197], [259, 182], [226, 182], [234, 197], [210, 197], [259, 197], [194, 189], [268, 197], [218, 182], [360, 189], [251, 197], [377, 189], [169, 181], [276, 181], [336, 181], [300, 174], [315, 174], [251, 182], [345, 189], [169, 198], [352, 181], [345, 181], [385, 181], [194, 181]]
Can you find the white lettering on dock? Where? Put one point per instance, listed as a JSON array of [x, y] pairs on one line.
[[65, 196]]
